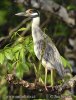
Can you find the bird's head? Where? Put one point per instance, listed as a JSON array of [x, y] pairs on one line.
[[29, 13]]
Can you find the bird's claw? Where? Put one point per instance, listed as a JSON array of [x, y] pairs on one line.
[[46, 88]]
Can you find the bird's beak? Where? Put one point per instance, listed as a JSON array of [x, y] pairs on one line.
[[21, 14]]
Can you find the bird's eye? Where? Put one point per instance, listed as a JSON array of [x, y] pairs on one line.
[[30, 11]]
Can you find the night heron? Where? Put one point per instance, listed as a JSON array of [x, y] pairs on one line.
[[44, 48]]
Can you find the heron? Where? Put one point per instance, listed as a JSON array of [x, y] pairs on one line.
[[44, 48]]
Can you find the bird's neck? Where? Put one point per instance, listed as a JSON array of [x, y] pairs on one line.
[[35, 29], [35, 21]]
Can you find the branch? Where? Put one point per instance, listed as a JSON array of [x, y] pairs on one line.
[[40, 88], [6, 39], [52, 7]]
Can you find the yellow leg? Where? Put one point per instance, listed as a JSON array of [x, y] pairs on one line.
[[52, 77], [45, 77]]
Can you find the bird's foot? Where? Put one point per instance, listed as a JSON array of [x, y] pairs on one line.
[[46, 88]]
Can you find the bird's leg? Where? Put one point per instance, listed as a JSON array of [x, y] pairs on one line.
[[45, 77], [39, 73], [52, 77]]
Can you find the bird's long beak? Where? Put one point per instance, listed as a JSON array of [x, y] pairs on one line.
[[21, 14]]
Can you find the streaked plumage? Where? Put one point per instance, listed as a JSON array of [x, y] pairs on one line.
[[45, 49]]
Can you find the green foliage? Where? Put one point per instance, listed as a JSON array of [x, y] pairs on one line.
[[3, 88], [17, 55], [65, 63], [16, 33], [21, 29], [71, 7], [61, 29], [21, 68], [8, 54], [1, 58]]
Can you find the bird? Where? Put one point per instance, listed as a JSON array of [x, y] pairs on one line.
[[44, 48]]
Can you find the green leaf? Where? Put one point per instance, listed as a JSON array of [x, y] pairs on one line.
[[20, 39], [17, 55], [71, 7], [10, 67], [31, 48], [29, 44], [66, 63], [1, 58], [22, 54], [17, 48], [8, 54], [27, 40], [21, 68], [22, 29], [25, 67]]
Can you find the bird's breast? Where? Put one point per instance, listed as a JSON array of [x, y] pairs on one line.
[[38, 53], [39, 48]]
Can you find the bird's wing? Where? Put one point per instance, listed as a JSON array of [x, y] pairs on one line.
[[51, 54], [54, 57]]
